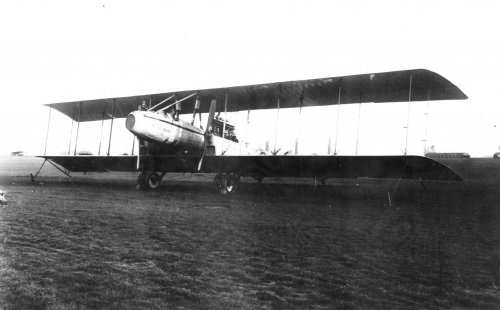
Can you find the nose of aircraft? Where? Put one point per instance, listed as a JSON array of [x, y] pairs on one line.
[[130, 121]]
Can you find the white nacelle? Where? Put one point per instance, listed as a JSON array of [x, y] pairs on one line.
[[163, 128]]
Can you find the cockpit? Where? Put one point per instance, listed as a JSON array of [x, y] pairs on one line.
[[227, 131]]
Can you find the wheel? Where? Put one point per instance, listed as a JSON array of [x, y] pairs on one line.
[[218, 180], [229, 184], [152, 180]]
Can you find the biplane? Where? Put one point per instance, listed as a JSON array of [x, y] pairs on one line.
[[168, 143]]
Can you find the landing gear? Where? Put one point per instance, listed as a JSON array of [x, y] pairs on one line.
[[218, 180], [227, 183], [147, 165], [149, 180]]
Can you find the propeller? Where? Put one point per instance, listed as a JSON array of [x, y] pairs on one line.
[[208, 130]]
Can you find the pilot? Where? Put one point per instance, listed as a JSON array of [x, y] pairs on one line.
[[143, 106], [173, 113]]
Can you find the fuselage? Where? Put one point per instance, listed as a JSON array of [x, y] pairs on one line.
[[180, 136], [158, 127]]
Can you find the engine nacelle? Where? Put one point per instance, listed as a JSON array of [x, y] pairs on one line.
[[163, 128]]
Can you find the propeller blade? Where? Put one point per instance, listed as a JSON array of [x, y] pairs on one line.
[[211, 115], [202, 155]]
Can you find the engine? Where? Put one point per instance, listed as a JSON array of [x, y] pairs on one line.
[[159, 127]]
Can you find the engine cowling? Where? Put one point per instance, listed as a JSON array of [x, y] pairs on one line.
[[162, 128]]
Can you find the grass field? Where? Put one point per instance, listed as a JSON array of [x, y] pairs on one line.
[[96, 242]]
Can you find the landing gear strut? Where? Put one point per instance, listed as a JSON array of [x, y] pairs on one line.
[[227, 183], [147, 165]]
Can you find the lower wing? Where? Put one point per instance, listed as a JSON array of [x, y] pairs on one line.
[[404, 167]]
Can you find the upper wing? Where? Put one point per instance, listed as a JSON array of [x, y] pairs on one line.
[[376, 87], [404, 167]]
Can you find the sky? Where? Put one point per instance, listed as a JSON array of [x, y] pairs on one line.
[[56, 51]]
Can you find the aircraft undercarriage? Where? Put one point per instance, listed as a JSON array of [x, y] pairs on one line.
[[226, 183], [150, 178]]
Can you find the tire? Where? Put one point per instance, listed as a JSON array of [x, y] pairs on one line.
[[152, 180], [230, 184]]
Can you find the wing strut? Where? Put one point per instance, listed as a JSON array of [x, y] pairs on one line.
[[426, 122], [102, 125], [33, 177], [150, 109], [337, 126], [71, 134], [275, 151], [408, 115], [111, 129], [47, 135], [177, 102], [357, 130], [300, 121], [78, 126], [248, 126], [133, 145]]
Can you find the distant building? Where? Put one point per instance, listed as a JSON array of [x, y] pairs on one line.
[[436, 155], [17, 153], [85, 153]]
